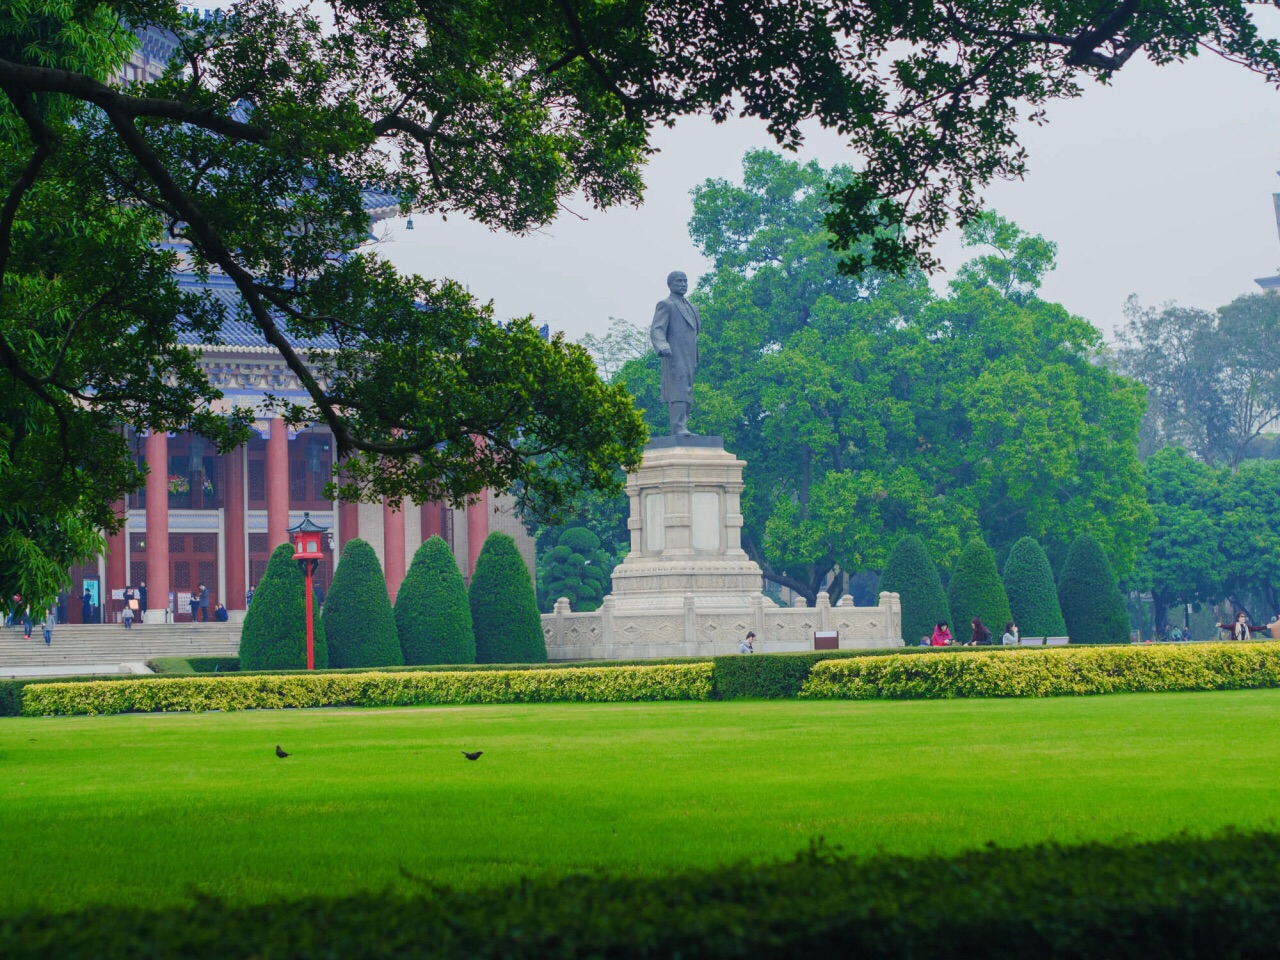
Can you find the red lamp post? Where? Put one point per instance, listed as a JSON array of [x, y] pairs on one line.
[[307, 550]]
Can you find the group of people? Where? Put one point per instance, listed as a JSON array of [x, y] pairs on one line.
[[979, 636]]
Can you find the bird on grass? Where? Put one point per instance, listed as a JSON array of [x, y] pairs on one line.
[[472, 756], [280, 753]]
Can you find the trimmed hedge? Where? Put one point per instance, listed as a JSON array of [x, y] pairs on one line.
[[433, 617], [976, 591], [1049, 672], [576, 568], [274, 635], [1033, 597], [588, 684], [504, 610], [1176, 898], [1092, 605], [358, 623], [911, 573], [190, 665]]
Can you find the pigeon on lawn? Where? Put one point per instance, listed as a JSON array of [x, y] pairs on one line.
[[280, 753], [472, 756]]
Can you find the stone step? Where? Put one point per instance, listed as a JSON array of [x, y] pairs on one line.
[[113, 644]]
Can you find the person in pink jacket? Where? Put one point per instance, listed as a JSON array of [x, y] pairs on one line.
[[941, 635]]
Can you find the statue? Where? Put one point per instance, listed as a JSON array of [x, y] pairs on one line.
[[675, 336]]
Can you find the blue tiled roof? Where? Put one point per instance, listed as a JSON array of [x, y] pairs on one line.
[[235, 332]]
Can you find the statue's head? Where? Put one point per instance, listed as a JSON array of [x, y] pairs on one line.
[[677, 282]]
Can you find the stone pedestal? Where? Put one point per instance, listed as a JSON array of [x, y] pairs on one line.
[[688, 588], [686, 530]]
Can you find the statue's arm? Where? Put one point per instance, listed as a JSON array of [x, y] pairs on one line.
[[658, 330]]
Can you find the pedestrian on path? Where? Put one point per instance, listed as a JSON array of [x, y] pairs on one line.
[[127, 615], [142, 597], [26, 623], [50, 621]]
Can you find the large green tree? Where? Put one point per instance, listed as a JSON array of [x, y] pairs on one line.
[[1186, 558], [868, 408], [250, 154], [911, 573]]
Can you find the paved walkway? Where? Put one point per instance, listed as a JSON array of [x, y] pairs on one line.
[[74, 670]]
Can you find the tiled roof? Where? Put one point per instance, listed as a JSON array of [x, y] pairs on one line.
[[239, 333]]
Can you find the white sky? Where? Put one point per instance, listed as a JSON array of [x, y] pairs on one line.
[[1159, 185]]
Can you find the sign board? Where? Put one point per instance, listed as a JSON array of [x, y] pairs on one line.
[[117, 594], [826, 640], [184, 601]]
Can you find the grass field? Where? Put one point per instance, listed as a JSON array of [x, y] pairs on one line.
[[149, 809]]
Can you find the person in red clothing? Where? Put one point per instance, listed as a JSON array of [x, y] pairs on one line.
[[941, 635], [1241, 629]]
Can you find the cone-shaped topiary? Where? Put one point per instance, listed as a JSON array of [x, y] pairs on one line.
[[432, 613], [1092, 605], [976, 591], [504, 610], [576, 568], [274, 635], [358, 623], [1033, 597], [910, 572]]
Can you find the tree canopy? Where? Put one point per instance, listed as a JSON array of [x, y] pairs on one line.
[[251, 154], [867, 408]]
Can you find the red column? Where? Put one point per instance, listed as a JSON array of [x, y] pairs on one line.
[[348, 520], [477, 529], [157, 526], [236, 510], [431, 525], [277, 484], [117, 569], [392, 547]]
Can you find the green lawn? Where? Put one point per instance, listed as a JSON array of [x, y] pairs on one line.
[[149, 809]]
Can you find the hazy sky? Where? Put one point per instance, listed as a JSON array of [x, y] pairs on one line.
[[1159, 185]]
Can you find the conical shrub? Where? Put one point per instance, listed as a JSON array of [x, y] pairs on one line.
[[433, 616], [358, 623], [911, 573], [274, 635], [504, 610], [1092, 605], [1033, 597], [976, 591]]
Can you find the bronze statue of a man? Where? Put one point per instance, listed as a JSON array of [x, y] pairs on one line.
[[675, 336]]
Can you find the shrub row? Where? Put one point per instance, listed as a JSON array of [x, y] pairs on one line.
[[380, 689], [1175, 898], [1049, 673]]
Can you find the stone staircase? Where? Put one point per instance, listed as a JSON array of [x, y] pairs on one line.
[[112, 644]]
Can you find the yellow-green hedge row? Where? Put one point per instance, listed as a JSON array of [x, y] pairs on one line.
[[1068, 671], [230, 692]]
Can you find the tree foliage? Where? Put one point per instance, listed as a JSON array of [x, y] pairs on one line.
[[274, 634], [1033, 596], [504, 610], [1091, 603], [358, 623], [870, 408], [1212, 378], [432, 614], [251, 154], [576, 568], [911, 573], [975, 590]]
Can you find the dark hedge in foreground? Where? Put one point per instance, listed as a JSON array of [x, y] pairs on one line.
[[1177, 898]]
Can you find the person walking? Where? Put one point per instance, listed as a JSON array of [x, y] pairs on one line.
[[745, 645], [202, 602], [86, 607], [142, 598], [14, 611], [26, 623], [1010, 638], [130, 601], [981, 636], [50, 621], [941, 634], [64, 600]]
